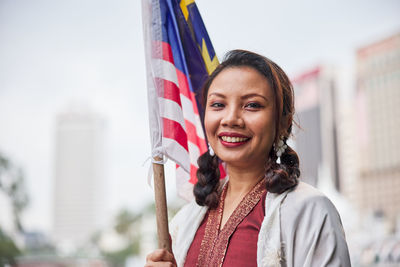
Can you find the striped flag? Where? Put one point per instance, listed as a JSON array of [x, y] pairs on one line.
[[179, 57]]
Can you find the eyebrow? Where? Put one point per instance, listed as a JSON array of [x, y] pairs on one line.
[[243, 97], [253, 95], [216, 94]]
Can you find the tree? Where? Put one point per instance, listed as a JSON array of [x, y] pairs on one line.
[[126, 225], [12, 185]]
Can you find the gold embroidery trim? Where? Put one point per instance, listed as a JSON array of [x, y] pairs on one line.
[[215, 242]]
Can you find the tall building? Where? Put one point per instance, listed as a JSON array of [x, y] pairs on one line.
[[349, 158], [316, 140], [378, 125], [79, 177]]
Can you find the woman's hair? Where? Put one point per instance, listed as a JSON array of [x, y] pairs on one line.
[[279, 177]]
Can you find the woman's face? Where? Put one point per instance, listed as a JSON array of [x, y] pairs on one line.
[[240, 117]]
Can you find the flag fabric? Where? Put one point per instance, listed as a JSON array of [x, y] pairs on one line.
[[179, 58]]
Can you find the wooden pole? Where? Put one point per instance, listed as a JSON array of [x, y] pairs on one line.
[[161, 206]]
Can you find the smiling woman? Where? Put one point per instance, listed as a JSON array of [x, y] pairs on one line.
[[248, 96], [240, 117], [261, 215]]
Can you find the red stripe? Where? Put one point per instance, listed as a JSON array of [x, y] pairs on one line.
[[195, 107], [171, 91], [193, 176], [183, 83], [166, 51], [174, 130], [222, 171], [202, 145]]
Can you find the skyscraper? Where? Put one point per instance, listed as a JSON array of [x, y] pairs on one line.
[[378, 125], [316, 140], [79, 176]]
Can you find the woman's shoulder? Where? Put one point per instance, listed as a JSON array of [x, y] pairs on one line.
[[305, 207], [183, 227], [190, 211], [305, 196], [310, 222]]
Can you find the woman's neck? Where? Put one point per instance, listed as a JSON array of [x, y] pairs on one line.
[[242, 180]]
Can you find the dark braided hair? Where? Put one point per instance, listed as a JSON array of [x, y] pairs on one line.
[[205, 190], [279, 176]]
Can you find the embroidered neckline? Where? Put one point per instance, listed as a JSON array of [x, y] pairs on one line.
[[215, 241]]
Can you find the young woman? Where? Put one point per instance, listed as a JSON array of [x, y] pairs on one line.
[[261, 215]]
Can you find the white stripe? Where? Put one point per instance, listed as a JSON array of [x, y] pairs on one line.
[[199, 126], [194, 153], [187, 107], [176, 152], [184, 188], [171, 110], [188, 114], [167, 71]]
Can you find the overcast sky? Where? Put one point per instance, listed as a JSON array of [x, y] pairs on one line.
[[54, 53]]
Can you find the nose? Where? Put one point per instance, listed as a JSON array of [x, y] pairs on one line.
[[233, 118]]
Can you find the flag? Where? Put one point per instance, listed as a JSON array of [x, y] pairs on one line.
[[179, 58]]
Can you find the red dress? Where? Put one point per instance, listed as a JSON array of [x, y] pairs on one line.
[[235, 244]]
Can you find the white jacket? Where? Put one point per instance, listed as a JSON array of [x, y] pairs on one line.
[[301, 227]]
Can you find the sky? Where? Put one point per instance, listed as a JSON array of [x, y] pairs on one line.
[[57, 54]]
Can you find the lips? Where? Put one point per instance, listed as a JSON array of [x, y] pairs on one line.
[[230, 139]]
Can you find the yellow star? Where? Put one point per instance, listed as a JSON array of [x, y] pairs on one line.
[[210, 64], [184, 4]]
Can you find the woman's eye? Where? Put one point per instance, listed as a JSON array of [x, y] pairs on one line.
[[253, 105], [217, 105]]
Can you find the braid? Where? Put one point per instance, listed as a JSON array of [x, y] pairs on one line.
[[205, 190], [284, 175]]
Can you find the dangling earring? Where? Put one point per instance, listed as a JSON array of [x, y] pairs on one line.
[[280, 147], [210, 150]]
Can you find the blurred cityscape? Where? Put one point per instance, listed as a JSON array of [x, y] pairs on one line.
[[348, 142], [348, 146]]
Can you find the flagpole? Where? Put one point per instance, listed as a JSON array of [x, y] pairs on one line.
[[161, 205]]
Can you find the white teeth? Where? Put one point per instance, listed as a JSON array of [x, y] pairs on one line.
[[233, 139]]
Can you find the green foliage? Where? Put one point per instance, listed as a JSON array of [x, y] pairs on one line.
[[124, 221], [12, 184], [8, 250], [118, 258], [126, 225]]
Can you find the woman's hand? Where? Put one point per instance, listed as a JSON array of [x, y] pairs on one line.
[[160, 257]]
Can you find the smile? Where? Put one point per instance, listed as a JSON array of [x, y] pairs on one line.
[[231, 139]]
